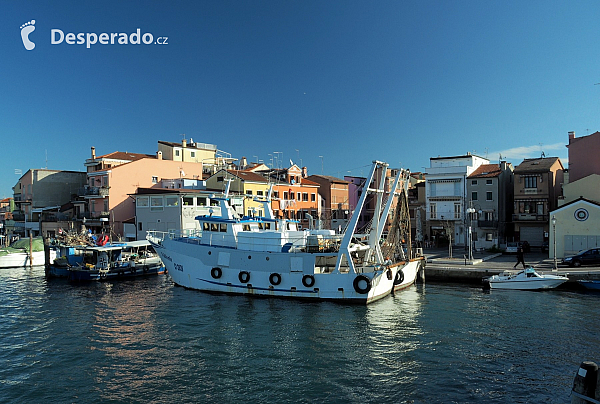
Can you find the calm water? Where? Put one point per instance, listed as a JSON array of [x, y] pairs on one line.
[[147, 341]]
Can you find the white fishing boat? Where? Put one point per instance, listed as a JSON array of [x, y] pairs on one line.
[[18, 253], [528, 279], [265, 256]]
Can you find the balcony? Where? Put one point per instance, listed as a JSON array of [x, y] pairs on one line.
[[88, 191], [529, 217], [490, 224]]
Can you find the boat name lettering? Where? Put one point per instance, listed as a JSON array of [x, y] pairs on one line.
[[165, 256], [178, 267]]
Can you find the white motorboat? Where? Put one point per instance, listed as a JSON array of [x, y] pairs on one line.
[[18, 254], [527, 279], [266, 256]]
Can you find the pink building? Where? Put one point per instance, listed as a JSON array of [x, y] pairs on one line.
[[583, 156], [113, 177]]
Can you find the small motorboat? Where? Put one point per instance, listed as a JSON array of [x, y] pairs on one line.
[[527, 279], [593, 285]]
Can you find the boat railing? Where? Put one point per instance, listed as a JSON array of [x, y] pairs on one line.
[[325, 244]]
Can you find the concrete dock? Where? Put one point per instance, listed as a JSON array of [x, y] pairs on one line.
[[441, 268]]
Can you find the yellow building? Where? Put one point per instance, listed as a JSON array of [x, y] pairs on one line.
[[244, 183]]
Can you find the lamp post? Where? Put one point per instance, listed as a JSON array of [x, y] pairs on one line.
[[554, 240], [470, 211]]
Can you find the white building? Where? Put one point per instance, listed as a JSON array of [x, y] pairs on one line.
[[446, 197]]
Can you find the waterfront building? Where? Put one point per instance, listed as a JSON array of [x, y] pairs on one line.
[[417, 206], [335, 203], [113, 177], [537, 187], [574, 226], [583, 179], [245, 183], [42, 190], [175, 206], [446, 197], [490, 195]]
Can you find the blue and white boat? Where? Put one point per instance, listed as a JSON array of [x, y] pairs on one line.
[[272, 257], [114, 261]]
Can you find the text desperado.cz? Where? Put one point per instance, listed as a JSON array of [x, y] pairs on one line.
[[57, 36]]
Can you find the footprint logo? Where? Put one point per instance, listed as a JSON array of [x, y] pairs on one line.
[[27, 29]]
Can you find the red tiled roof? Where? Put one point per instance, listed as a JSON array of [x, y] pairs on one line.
[[486, 171], [125, 156]]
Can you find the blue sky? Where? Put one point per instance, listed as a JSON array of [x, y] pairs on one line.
[[351, 81]]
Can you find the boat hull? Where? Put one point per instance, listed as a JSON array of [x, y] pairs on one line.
[[592, 285], [527, 284], [22, 259], [270, 274], [82, 274], [407, 273]]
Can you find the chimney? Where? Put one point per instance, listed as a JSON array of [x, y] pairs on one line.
[[93, 152], [159, 155], [571, 136], [304, 172], [184, 143], [243, 163]]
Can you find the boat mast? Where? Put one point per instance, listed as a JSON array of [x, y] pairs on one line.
[[384, 215], [344, 251]]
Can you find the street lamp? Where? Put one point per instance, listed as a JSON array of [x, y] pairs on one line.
[[470, 211], [554, 239]]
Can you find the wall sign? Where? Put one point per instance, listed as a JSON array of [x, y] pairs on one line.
[[581, 214]]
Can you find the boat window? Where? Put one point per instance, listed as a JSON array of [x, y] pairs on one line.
[[214, 227], [188, 201], [223, 228], [246, 227], [267, 226], [260, 226], [205, 227], [201, 201]]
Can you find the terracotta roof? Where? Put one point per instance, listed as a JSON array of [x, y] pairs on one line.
[[329, 178], [248, 176], [125, 156], [539, 165], [486, 171]]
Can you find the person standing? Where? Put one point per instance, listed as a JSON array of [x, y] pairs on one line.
[[520, 257]]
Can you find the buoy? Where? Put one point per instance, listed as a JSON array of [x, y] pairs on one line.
[[585, 384]]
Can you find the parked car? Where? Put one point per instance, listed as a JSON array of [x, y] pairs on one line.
[[585, 257], [512, 247]]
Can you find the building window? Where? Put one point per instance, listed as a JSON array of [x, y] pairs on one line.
[[172, 201], [530, 182], [219, 179], [142, 202], [156, 203], [432, 211], [193, 154], [201, 201], [248, 192], [177, 153], [488, 196], [313, 197], [140, 226], [188, 201], [474, 195], [488, 182], [285, 195], [305, 196], [457, 210], [259, 193], [473, 182], [275, 194], [154, 180], [488, 236]]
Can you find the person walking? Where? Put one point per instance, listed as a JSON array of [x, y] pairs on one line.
[[520, 257]]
